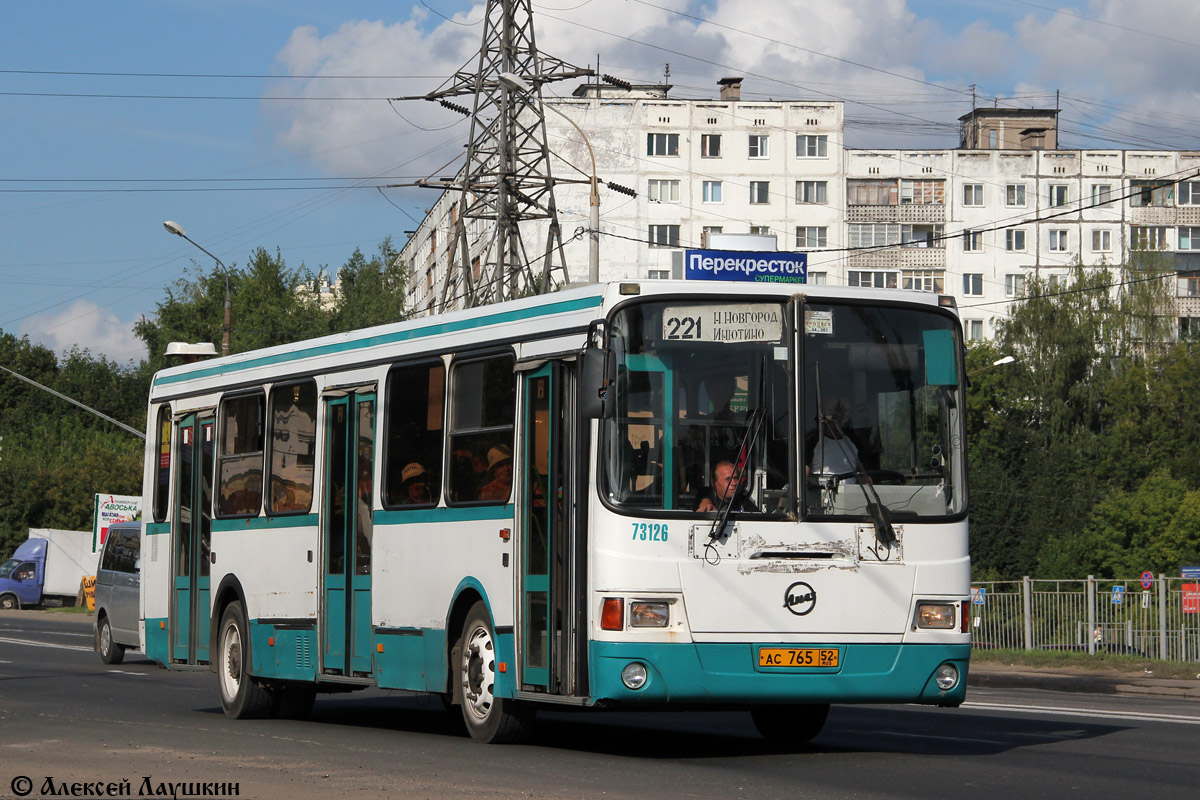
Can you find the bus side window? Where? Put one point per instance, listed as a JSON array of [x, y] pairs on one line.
[[413, 447], [162, 470], [482, 409], [293, 447], [240, 456]]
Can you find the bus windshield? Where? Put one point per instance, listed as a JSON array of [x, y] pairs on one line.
[[883, 411], [704, 386], [694, 379]]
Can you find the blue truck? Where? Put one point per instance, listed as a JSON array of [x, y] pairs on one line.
[[47, 569]]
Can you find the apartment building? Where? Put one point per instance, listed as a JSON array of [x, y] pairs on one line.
[[978, 221]]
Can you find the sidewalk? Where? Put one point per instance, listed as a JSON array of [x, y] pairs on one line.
[[1095, 682]]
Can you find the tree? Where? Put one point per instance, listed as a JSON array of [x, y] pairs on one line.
[[370, 292]]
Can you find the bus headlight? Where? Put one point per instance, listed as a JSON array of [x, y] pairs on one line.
[[634, 675], [936, 615], [946, 677], [649, 615]]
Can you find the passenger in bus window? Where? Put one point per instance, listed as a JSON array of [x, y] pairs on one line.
[[414, 486], [500, 473], [709, 497]]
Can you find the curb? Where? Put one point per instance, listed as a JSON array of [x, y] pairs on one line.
[[1091, 684]]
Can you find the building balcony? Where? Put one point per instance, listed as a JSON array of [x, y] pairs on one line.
[[899, 258], [906, 212]]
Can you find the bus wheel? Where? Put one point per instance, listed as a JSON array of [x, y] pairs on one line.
[[241, 696], [489, 719], [110, 651], [795, 724]]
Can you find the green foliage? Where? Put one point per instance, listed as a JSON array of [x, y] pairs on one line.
[[1082, 451]]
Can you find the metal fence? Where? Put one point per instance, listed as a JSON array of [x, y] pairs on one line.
[[1154, 618]]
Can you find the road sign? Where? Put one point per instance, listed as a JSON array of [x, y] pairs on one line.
[[1191, 598], [1118, 595], [1145, 598], [978, 595], [1147, 579]]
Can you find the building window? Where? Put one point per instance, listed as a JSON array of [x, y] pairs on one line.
[[1189, 286], [1146, 237], [1151, 193], [871, 192], [922, 193], [874, 234], [1058, 241], [1014, 241], [1189, 238], [1189, 193], [1059, 195], [661, 191], [760, 192], [924, 280], [1101, 241], [664, 236], [973, 194], [972, 241], [1014, 285], [816, 278], [811, 192], [973, 284], [812, 145], [921, 236], [974, 330], [710, 145], [811, 237], [662, 144], [712, 191], [1101, 193], [760, 230], [706, 232], [1189, 327], [1014, 195], [760, 145], [658, 274], [871, 279]]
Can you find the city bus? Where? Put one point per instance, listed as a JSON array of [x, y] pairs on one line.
[[637, 495]]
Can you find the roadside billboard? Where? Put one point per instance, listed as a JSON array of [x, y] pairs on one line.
[[112, 508]]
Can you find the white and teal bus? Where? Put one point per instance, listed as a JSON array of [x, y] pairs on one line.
[[634, 495]]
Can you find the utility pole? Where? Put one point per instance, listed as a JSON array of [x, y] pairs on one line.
[[506, 179]]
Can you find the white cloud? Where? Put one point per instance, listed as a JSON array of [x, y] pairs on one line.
[[88, 326]]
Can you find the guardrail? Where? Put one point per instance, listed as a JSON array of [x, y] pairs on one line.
[[1153, 617]]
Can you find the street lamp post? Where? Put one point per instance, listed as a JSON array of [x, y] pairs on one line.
[[177, 229], [516, 83]]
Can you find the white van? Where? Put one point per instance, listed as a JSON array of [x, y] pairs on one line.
[[118, 587]]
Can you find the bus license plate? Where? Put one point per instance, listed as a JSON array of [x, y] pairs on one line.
[[798, 657]]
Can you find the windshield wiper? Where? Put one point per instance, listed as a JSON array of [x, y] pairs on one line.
[[740, 467], [885, 534]]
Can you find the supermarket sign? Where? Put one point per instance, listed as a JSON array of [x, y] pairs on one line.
[[745, 267]]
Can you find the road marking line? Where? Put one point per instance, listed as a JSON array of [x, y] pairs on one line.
[[126, 672], [1087, 712], [30, 643]]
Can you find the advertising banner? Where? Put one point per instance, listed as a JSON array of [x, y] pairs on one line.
[[112, 508], [749, 267]]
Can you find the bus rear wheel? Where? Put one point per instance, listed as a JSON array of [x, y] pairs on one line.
[[791, 724], [242, 697], [489, 719]]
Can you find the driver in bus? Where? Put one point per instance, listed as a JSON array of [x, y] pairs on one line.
[[709, 497]]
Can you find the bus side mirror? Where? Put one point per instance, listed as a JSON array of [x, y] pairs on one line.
[[596, 383]]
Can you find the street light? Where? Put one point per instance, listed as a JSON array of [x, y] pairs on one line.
[[177, 229], [516, 83], [997, 363]]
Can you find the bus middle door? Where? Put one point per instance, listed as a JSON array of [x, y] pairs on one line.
[[191, 538], [548, 651], [347, 520]]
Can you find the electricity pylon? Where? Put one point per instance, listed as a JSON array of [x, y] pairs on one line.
[[506, 178]]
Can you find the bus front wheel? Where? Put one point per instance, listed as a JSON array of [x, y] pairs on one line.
[[242, 697], [794, 724], [489, 719]]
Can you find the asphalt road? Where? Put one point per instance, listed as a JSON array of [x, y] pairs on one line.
[[65, 716]]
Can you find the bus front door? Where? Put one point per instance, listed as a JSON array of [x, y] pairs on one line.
[[550, 657], [347, 526], [191, 536]]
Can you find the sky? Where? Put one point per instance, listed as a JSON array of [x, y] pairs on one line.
[[267, 123]]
